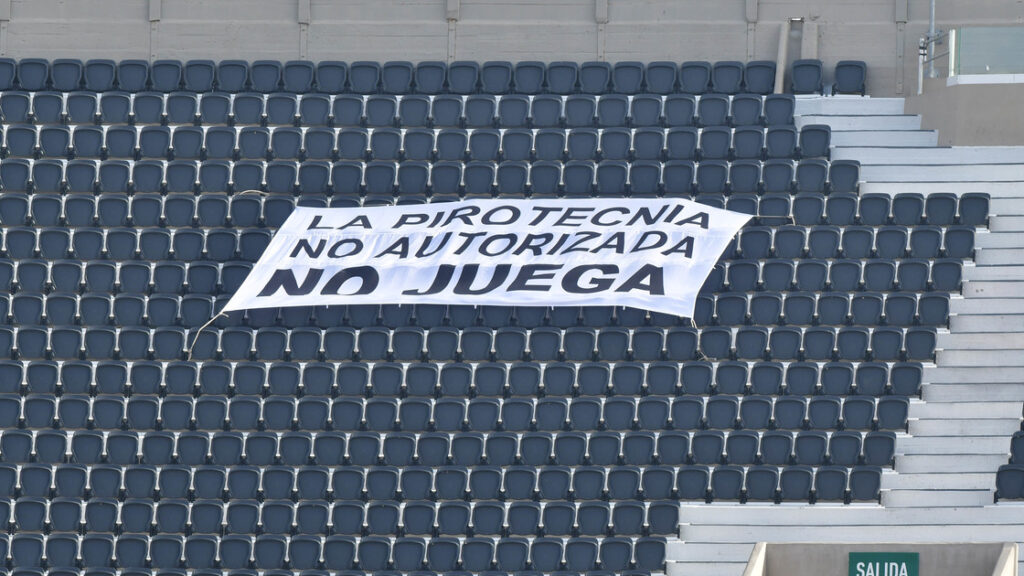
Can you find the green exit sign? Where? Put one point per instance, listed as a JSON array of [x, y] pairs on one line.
[[884, 563]]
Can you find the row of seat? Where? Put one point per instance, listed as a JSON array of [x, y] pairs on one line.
[[248, 572], [423, 380], [479, 343], [818, 275], [414, 180], [311, 517], [621, 456], [167, 309], [822, 343], [135, 571], [130, 552], [89, 244], [210, 210], [444, 343], [285, 109], [555, 486], [559, 488], [177, 209], [251, 143], [100, 276], [852, 242], [832, 309], [218, 210], [222, 245], [163, 309], [428, 77], [143, 412], [871, 209], [212, 278]]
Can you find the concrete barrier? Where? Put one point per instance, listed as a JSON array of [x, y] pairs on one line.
[[952, 559]]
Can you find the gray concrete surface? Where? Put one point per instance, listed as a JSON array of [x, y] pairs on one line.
[[971, 114], [831, 559]]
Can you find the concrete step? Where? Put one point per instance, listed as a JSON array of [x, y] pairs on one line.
[[983, 410], [862, 121], [964, 427], [708, 552], [936, 498], [732, 568], [992, 289], [980, 341], [854, 515], [1006, 223], [994, 189], [986, 307], [1001, 392], [967, 375], [944, 173], [849, 105], [974, 322], [980, 358], [891, 533], [950, 481], [1006, 206], [962, 463], [891, 138], [984, 241], [916, 445], [999, 256], [931, 155], [706, 568], [1000, 273]]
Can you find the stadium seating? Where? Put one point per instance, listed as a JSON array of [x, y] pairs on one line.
[[441, 438]]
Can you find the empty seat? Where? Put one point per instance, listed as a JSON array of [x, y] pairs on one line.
[[364, 77], [849, 77], [463, 77], [815, 140], [727, 77], [594, 77], [660, 77], [330, 77], [165, 75], [98, 75], [759, 76], [695, 77], [199, 75]]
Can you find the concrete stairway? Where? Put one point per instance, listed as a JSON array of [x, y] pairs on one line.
[[959, 431], [972, 397]]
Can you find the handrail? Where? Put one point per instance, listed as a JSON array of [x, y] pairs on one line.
[[927, 57]]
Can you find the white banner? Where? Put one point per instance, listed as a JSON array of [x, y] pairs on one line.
[[645, 253]]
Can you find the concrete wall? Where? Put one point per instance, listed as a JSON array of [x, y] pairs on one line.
[[882, 32], [832, 559], [971, 114]]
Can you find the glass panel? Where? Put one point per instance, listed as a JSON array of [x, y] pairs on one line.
[[990, 50]]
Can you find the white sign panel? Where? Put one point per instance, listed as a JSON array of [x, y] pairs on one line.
[[644, 253]]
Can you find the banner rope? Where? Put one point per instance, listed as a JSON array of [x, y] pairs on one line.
[[219, 314], [200, 331], [694, 326]]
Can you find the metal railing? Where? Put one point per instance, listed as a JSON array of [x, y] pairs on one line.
[[926, 56], [971, 50]]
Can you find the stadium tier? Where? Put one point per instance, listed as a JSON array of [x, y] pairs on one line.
[[437, 439]]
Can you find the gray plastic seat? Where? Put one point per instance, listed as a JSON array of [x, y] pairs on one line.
[[806, 77]]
